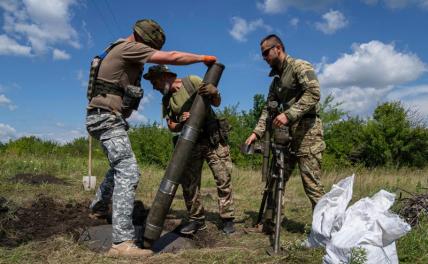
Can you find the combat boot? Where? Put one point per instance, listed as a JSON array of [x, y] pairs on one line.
[[228, 226], [193, 226], [129, 249]]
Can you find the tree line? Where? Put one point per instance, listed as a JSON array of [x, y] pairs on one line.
[[392, 137]]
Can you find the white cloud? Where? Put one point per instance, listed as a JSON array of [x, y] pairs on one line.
[[278, 6], [372, 64], [241, 28], [4, 101], [294, 22], [138, 117], [40, 23], [397, 4], [333, 21], [60, 55], [7, 132], [369, 75], [9, 46]]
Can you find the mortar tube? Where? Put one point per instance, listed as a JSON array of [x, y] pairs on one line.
[[174, 172]]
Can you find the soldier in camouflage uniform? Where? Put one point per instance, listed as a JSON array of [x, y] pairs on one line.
[[295, 87], [121, 67], [179, 94]]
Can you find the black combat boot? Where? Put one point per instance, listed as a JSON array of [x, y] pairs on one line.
[[193, 226], [228, 226]]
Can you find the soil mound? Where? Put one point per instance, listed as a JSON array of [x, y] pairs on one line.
[[41, 219], [37, 179]]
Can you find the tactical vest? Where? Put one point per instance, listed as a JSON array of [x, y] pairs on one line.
[[288, 89], [99, 87]]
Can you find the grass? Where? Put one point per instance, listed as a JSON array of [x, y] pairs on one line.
[[238, 248]]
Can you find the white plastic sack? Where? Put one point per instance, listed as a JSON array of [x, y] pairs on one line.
[[366, 224], [329, 212]]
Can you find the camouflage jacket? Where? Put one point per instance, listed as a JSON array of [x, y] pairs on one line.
[[297, 89]]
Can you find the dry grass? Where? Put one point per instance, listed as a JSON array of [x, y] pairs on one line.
[[239, 248]]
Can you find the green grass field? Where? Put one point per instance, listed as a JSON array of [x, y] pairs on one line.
[[238, 248]]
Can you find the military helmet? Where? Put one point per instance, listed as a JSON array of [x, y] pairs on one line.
[[150, 32], [156, 71]]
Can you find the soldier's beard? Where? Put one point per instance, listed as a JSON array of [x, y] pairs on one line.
[[276, 64]]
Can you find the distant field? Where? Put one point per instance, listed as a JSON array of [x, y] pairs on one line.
[[25, 202]]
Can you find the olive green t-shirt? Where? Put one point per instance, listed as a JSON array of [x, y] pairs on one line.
[[181, 101]]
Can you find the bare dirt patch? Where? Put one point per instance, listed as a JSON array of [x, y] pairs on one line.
[[41, 219], [37, 179]]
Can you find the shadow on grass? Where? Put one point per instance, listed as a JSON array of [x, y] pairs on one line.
[[290, 225]]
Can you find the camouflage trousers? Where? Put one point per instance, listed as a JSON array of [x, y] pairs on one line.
[[220, 163], [121, 179], [307, 146]]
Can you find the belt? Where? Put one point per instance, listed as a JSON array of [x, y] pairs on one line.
[[98, 111]]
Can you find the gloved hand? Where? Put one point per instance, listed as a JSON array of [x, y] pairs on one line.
[[209, 60], [208, 89]]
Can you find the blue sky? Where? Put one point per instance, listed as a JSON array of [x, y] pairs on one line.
[[365, 52]]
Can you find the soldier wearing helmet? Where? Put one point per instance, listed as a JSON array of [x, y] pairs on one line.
[[113, 93]]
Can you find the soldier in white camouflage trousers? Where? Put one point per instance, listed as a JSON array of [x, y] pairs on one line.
[[111, 85]]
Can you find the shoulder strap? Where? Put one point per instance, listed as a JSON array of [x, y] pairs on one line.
[[189, 86], [110, 47]]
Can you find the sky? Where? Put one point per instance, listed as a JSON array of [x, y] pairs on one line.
[[365, 52]]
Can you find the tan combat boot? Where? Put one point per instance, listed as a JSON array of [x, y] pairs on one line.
[[128, 248]]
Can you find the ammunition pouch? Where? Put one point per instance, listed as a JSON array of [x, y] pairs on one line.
[[281, 136], [93, 72], [132, 97], [217, 131]]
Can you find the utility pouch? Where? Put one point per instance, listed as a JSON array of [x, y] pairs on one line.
[[132, 97], [281, 136], [224, 129], [211, 130]]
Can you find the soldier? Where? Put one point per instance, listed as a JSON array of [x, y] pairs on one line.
[[178, 96], [113, 94], [296, 87]]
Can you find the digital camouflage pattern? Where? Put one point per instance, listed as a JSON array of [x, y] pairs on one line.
[[220, 163], [122, 178], [297, 89], [151, 33]]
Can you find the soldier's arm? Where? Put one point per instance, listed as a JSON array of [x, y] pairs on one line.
[[260, 128], [179, 58], [311, 92]]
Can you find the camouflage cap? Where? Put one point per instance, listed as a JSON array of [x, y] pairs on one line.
[[150, 32], [156, 71]]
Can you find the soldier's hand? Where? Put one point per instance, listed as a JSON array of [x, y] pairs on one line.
[[185, 116], [209, 60], [280, 120], [208, 90], [251, 139]]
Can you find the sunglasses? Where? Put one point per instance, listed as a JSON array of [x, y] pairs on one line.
[[265, 53]]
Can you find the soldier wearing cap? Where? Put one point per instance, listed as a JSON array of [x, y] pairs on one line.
[[178, 96], [113, 94], [296, 88]]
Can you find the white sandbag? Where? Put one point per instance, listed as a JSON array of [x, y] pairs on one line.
[[367, 224], [329, 211]]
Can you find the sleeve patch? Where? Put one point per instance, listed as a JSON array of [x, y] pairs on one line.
[[311, 75]]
